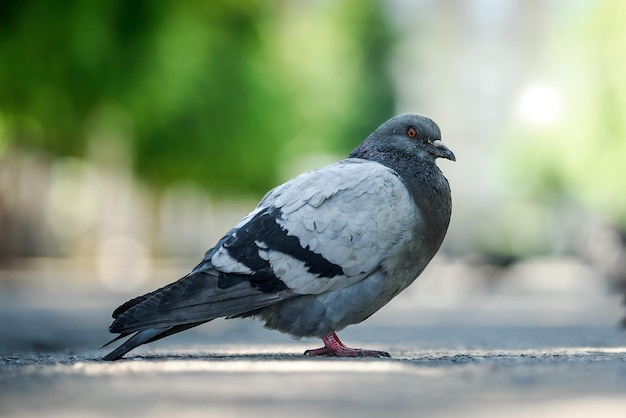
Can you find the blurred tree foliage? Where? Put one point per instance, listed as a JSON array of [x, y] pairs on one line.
[[214, 91]]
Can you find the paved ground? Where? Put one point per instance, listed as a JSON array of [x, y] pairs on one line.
[[513, 357]]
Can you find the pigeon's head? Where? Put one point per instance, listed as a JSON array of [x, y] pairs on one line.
[[410, 133]]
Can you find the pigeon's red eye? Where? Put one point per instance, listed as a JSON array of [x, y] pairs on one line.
[[411, 132]]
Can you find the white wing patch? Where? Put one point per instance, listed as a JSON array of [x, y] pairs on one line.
[[228, 264], [352, 213], [294, 273], [356, 224]]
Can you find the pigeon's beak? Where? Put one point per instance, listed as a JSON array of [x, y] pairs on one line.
[[442, 151]]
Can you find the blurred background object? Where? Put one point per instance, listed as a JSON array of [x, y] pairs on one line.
[[134, 133]]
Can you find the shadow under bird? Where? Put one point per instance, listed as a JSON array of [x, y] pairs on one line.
[[320, 252]]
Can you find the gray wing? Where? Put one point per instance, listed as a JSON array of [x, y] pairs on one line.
[[328, 228]]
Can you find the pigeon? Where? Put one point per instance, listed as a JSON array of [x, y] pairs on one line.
[[320, 252]]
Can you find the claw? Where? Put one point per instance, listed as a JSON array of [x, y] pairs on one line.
[[334, 347]]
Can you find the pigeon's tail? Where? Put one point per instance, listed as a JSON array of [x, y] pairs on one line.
[[195, 299], [136, 340], [143, 337]]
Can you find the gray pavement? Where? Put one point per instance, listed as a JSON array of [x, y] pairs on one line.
[[489, 355]]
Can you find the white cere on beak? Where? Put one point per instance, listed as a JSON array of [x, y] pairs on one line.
[[439, 144]]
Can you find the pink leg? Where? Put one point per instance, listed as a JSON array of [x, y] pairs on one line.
[[334, 347]]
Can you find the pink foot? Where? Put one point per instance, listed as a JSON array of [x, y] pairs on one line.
[[334, 347]]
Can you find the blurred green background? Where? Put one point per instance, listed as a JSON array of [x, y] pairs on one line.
[[137, 132]]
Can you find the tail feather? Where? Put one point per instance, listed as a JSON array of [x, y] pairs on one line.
[[197, 298], [194, 299], [138, 300], [119, 337], [144, 337], [133, 342], [174, 330]]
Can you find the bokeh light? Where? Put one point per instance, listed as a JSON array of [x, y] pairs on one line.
[[540, 104]]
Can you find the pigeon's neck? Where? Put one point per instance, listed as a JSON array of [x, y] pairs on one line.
[[427, 185]]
